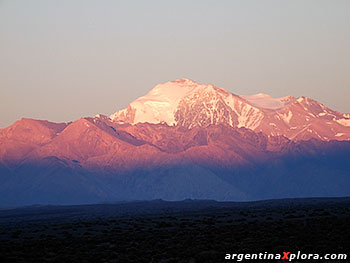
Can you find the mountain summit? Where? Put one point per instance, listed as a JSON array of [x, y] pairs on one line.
[[190, 104], [181, 140]]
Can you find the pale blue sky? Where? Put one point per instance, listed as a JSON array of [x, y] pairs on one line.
[[60, 60]]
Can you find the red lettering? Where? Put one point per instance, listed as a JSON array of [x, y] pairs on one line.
[[285, 255]]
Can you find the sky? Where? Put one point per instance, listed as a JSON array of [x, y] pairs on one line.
[[62, 60]]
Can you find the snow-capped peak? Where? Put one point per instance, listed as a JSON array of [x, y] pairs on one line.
[[185, 81], [266, 101], [186, 103], [160, 104]]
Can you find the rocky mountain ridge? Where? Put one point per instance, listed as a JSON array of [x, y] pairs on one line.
[[189, 104]]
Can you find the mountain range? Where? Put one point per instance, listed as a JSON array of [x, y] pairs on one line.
[[189, 104], [181, 140]]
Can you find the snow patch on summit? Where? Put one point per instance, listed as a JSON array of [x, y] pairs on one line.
[[266, 101], [161, 102], [189, 104]]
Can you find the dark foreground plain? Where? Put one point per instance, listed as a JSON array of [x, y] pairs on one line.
[[186, 231]]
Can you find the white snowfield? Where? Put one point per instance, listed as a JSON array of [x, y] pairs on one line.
[[161, 102], [265, 101], [188, 101]]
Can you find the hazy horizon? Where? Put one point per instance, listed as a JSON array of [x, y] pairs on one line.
[[62, 60]]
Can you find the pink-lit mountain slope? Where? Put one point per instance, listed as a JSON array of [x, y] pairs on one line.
[[182, 140], [189, 104], [97, 160], [99, 143]]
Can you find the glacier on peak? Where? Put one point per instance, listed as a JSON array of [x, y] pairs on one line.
[[188, 104], [160, 103], [262, 100], [163, 102]]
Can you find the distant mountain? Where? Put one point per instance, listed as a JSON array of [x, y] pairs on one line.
[[182, 140], [189, 104], [96, 160]]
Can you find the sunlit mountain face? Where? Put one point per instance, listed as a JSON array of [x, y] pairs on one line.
[[181, 140], [189, 104]]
